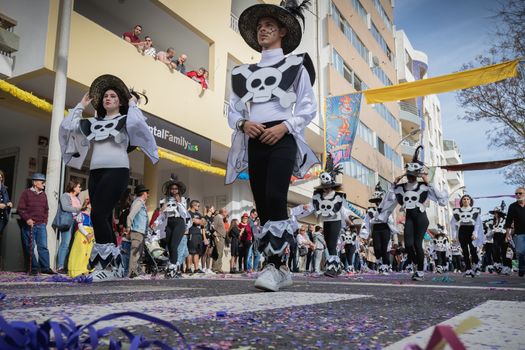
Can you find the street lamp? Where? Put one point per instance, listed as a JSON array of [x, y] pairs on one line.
[[412, 133]]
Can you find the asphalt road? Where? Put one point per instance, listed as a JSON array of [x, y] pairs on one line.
[[225, 312]]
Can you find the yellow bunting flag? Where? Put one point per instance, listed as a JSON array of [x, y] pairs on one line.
[[444, 83]]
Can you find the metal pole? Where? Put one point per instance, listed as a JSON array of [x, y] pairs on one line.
[[54, 159]]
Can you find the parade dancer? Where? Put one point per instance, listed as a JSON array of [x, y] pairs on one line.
[[177, 220], [330, 207], [441, 249], [413, 195], [350, 242], [271, 104], [466, 227], [382, 231], [118, 127], [488, 247], [502, 265]]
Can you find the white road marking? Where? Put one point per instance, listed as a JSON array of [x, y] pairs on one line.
[[501, 328], [178, 309], [415, 285], [91, 290]]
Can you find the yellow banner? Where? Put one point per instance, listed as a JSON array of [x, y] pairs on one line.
[[444, 83]]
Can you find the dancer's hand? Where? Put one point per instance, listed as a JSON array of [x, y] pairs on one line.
[[272, 135], [30, 222], [252, 129], [425, 178], [397, 179], [86, 100]]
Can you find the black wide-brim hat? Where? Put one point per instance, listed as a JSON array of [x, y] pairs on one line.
[[375, 199], [250, 17], [180, 185], [140, 189], [499, 211], [325, 186], [106, 82]]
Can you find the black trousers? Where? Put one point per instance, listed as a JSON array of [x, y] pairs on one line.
[[270, 169], [441, 259], [499, 250], [174, 231], [105, 187], [380, 238], [487, 257], [465, 240], [331, 231], [416, 224]]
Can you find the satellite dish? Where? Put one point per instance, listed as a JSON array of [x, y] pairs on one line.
[[375, 61]]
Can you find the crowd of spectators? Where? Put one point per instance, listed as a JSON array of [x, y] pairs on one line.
[[167, 57]]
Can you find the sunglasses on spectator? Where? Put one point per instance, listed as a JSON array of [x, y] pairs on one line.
[[148, 39], [518, 193]]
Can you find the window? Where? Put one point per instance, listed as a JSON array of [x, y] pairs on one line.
[[382, 14], [340, 66], [381, 75], [389, 117], [385, 184], [360, 10], [360, 172], [350, 34], [382, 43], [366, 134], [381, 146], [388, 152]]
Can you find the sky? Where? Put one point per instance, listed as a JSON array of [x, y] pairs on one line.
[[451, 33]]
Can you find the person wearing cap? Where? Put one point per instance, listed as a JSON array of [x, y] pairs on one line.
[[118, 127], [502, 265], [516, 220], [381, 231], [33, 210], [466, 226], [137, 223], [412, 196], [329, 205], [271, 104]]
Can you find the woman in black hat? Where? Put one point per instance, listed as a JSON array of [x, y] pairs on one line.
[[117, 127], [466, 227], [179, 221], [413, 195], [268, 136], [381, 231], [502, 264]]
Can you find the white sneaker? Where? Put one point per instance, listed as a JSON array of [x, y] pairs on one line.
[[269, 279], [102, 275], [506, 271], [209, 272], [286, 277], [384, 270], [470, 273], [418, 276]]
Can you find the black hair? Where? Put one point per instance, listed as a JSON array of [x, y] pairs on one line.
[[124, 103], [466, 196]]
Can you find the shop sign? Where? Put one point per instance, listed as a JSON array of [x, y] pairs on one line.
[[174, 138]]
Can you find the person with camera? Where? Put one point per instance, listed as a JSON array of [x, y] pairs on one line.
[[412, 195], [304, 245]]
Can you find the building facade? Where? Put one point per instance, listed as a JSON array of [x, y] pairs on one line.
[[422, 123]]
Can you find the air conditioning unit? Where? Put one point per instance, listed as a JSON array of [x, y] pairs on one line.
[[375, 61]]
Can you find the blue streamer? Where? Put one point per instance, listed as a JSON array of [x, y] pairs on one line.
[[67, 335]]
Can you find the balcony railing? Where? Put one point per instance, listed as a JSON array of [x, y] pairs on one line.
[[234, 22], [408, 107]]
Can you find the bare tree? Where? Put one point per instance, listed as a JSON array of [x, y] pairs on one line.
[[503, 103]]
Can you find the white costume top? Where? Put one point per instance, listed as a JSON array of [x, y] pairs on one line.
[[372, 218], [467, 216], [296, 117], [407, 192]]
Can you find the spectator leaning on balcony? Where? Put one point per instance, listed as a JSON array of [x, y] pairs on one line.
[[118, 127], [133, 37], [179, 63], [34, 210], [147, 49], [199, 77], [166, 57]]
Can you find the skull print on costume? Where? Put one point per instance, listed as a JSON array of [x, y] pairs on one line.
[[100, 129], [328, 206], [466, 216], [260, 84], [412, 199]]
